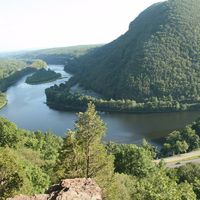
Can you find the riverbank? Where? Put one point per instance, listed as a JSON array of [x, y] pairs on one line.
[[3, 100], [49, 81], [122, 128], [61, 98], [11, 80]]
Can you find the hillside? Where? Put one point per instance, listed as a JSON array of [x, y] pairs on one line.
[[31, 161], [158, 56], [57, 55]]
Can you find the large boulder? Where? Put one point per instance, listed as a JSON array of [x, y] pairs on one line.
[[68, 189]]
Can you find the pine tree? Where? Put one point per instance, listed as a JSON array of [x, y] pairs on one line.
[[83, 154]]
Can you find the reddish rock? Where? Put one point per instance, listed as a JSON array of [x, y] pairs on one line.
[[68, 189]]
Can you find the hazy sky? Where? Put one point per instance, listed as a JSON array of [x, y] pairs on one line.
[[27, 24]]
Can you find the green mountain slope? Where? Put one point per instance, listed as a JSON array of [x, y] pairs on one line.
[[158, 56]]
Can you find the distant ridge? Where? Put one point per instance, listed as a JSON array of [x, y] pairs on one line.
[[59, 55]]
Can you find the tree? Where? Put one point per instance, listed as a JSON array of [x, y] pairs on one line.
[[196, 126], [122, 187], [11, 174], [38, 64], [146, 145], [131, 159], [181, 147], [190, 173], [83, 154], [9, 135], [19, 176], [159, 186]]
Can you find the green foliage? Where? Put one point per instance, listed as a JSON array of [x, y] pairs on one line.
[[159, 186], [8, 133], [11, 71], [132, 160], [42, 76], [122, 187], [26, 160], [158, 56], [83, 154], [19, 176], [181, 141], [3, 100], [31, 160], [150, 148], [196, 126], [11, 174], [38, 64], [61, 97], [9, 66], [190, 173]]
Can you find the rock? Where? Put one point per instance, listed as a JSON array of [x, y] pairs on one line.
[[68, 189]]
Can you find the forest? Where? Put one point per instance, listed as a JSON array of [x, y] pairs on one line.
[[156, 57], [42, 76], [31, 161], [61, 98], [155, 71]]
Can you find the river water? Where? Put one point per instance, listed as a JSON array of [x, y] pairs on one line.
[[26, 107]]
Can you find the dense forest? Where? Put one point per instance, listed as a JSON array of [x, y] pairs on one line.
[[30, 161], [157, 57], [42, 76], [62, 98]]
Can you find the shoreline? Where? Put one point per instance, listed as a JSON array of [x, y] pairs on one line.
[[4, 104], [43, 82], [82, 109]]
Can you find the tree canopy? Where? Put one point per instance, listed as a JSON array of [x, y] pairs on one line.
[[158, 56]]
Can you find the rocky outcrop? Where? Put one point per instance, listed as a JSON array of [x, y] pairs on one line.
[[68, 189]]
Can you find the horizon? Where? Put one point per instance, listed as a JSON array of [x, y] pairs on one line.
[[30, 25]]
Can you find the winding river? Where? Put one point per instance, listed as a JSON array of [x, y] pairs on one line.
[[26, 107]]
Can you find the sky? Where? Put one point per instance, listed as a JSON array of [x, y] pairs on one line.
[[35, 24]]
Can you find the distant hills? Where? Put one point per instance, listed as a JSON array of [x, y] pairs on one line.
[[158, 56], [59, 55]]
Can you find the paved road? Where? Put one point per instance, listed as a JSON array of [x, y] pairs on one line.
[[182, 159], [181, 163]]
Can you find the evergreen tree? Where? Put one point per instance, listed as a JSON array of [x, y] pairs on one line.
[[83, 154]]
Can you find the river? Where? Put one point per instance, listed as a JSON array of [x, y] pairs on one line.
[[26, 107]]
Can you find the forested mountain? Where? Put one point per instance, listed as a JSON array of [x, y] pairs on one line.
[[158, 56]]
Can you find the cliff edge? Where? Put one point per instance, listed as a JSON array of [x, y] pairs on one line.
[[68, 189]]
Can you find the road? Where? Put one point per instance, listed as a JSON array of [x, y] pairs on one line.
[[181, 163], [182, 159]]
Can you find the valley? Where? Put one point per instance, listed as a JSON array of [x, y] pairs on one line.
[[29, 102]]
